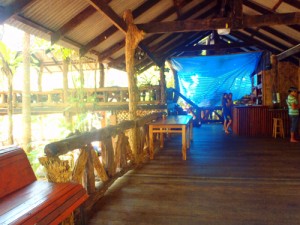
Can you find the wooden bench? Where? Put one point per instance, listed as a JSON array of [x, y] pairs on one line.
[[25, 200]]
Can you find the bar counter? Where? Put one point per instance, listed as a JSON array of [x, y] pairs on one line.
[[257, 121]]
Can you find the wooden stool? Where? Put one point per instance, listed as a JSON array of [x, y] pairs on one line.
[[278, 127]]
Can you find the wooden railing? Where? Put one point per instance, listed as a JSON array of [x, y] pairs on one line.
[[149, 94], [113, 160]]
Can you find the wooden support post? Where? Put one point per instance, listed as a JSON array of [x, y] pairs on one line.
[[40, 85], [79, 167], [108, 156], [2, 98], [89, 170], [102, 75], [99, 167], [26, 109], [14, 99], [162, 84], [133, 37], [113, 119], [65, 80]]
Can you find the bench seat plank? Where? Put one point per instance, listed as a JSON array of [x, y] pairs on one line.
[[15, 170], [51, 205], [24, 200]]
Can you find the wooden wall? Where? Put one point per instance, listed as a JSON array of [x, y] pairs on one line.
[[282, 76]]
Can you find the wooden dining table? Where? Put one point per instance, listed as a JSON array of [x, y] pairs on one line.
[[172, 124]]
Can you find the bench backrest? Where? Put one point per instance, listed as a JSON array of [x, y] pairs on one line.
[[15, 170]]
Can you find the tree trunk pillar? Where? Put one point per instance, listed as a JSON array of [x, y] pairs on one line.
[[40, 85], [65, 80], [102, 75], [89, 170], [26, 101], [162, 84], [133, 37]]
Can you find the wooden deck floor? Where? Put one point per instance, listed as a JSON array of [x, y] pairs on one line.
[[226, 180]]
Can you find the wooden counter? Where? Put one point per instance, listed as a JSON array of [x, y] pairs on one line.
[[257, 121]]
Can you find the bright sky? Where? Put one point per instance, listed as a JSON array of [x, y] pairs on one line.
[[12, 38]]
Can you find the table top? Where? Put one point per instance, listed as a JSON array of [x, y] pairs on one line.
[[173, 120]]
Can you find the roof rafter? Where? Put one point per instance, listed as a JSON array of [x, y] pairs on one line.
[[111, 30], [75, 21], [103, 7], [293, 3], [136, 13], [289, 52], [264, 10]]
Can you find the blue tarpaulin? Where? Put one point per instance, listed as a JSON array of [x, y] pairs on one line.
[[204, 79]]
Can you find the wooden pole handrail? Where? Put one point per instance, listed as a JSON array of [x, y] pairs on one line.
[[79, 141]]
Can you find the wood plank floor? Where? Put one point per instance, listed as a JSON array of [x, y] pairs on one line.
[[226, 180]]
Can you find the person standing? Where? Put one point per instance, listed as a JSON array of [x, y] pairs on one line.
[[293, 106], [226, 112]]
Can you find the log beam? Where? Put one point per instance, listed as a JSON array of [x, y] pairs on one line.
[[133, 37], [220, 23]]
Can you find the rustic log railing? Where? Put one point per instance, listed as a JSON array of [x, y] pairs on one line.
[[149, 94], [95, 172]]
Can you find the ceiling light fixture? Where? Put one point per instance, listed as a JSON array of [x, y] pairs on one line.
[[224, 31]]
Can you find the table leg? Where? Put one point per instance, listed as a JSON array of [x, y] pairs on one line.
[[151, 147], [188, 136], [183, 142], [191, 130], [161, 135]]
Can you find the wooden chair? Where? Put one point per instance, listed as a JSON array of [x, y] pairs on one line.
[[278, 127]]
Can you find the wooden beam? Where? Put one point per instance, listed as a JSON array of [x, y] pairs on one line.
[[214, 47], [178, 4], [116, 47], [293, 3], [12, 9], [188, 38], [75, 21], [281, 35], [43, 29], [219, 23], [289, 52], [111, 30], [263, 10], [102, 7], [103, 36], [275, 7], [237, 9], [246, 38], [266, 38]]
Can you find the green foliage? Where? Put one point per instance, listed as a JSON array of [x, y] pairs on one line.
[[33, 157], [152, 77], [148, 77], [9, 60]]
